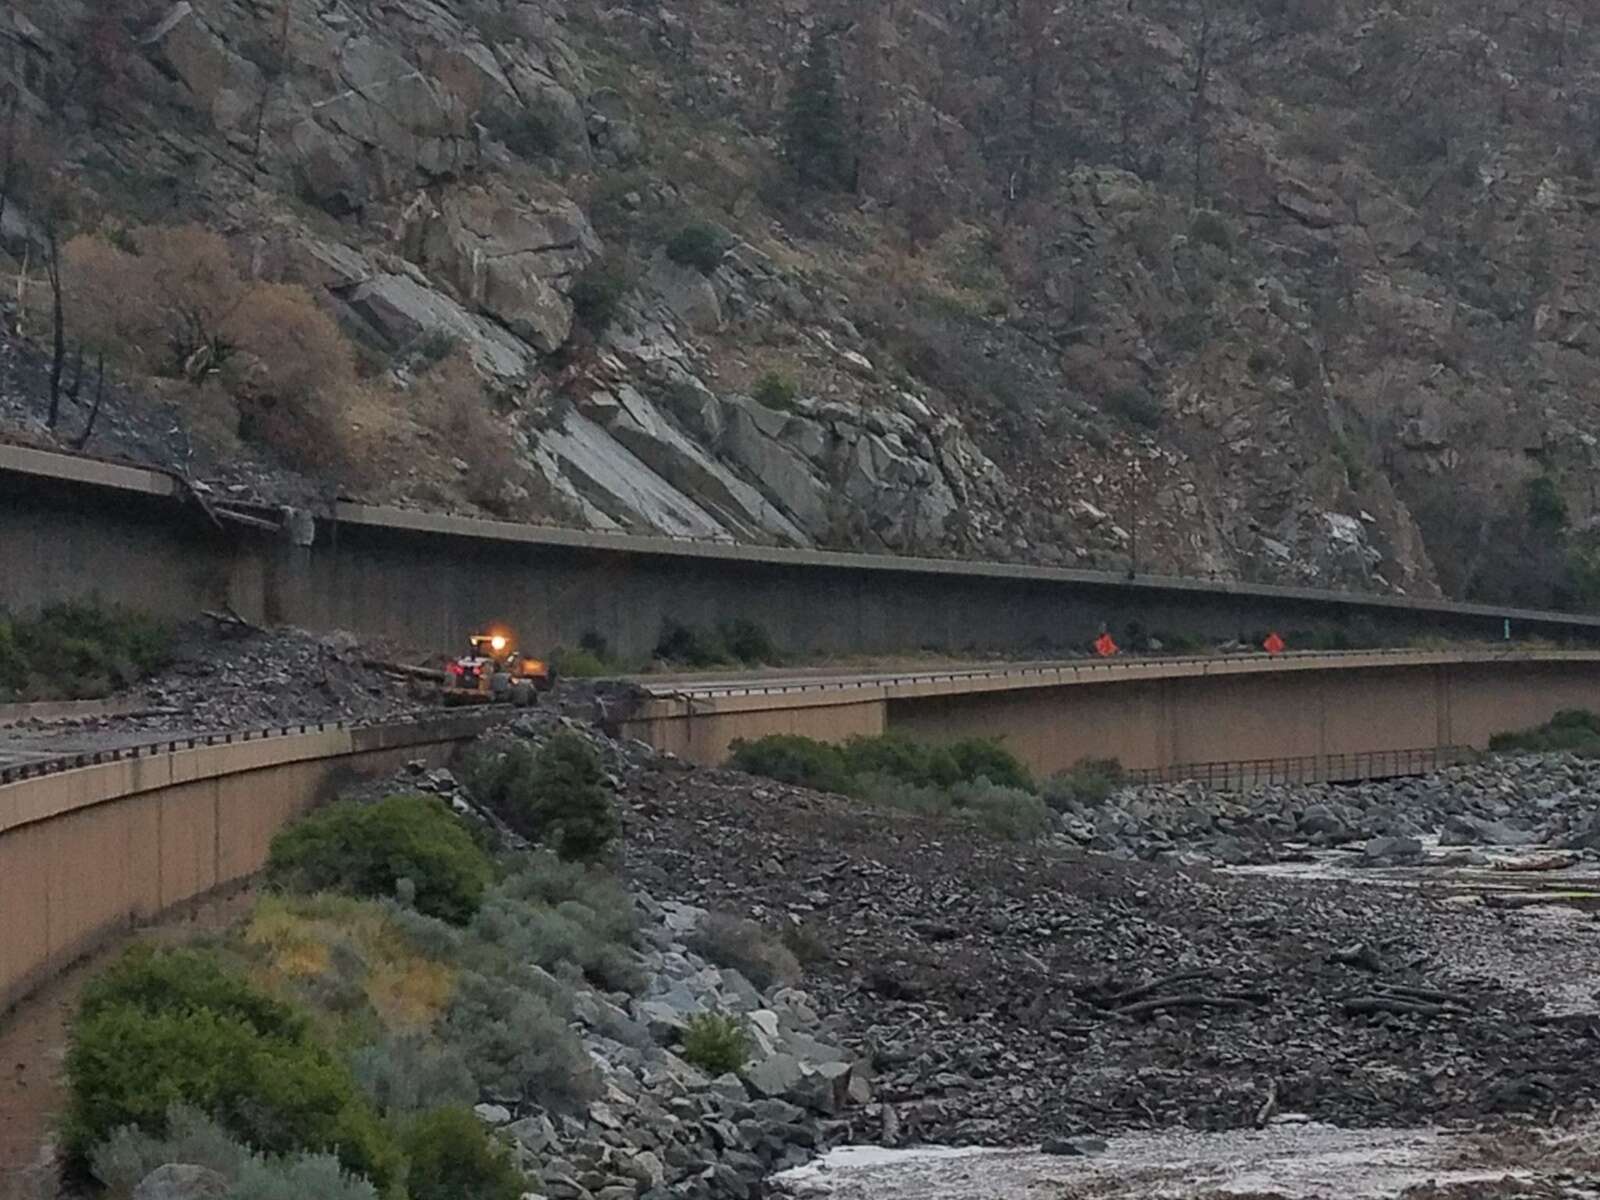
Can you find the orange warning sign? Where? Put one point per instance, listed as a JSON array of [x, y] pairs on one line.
[[1274, 644], [1105, 646]]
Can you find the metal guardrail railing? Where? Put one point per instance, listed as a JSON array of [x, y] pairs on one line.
[[1311, 768], [169, 745], [159, 746], [687, 689]]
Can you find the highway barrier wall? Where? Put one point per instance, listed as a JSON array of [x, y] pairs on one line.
[[1348, 712], [74, 528], [89, 852]]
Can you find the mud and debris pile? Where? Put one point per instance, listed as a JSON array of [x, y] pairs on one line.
[[230, 677]]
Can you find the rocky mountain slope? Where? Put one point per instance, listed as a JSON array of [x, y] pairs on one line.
[[1253, 288]]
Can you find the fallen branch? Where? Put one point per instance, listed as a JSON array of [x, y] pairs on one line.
[[1162, 1003], [1264, 1113], [1549, 862], [231, 619], [1401, 1007], [193, 493], [1158, 985], [1431, 995], [1535, 899], [431, 674]]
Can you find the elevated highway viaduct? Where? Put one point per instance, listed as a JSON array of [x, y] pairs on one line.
[[1246, 718], [73, 527]]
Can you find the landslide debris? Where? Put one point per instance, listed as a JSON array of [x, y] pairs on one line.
[[1007, 994]]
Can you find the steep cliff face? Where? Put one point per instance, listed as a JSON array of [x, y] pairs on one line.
[[1250, 288]]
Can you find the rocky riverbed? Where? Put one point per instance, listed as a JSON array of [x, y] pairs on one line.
[[1546, 801], [1007, 995], [1290, 1160], [1129, 981], [973, 993]]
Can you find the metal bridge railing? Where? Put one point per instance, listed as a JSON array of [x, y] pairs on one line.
[[1310, 768], [170, 745], [689, 688], [159, 746]]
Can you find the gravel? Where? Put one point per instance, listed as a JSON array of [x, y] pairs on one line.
[[984, 980]]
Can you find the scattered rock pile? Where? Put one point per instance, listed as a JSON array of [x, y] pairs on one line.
[[240, 678], [1010, 994], [661, 1127], [1522, 801]]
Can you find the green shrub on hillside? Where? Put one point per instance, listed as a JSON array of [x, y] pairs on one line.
[[366, 849], [775, 391], [568, 802], [1575, 730], [740, 640], [550, 913], [863, 763], [745, 947], [715, 1043], [251, 1063], [79, 650], [577, 662], [1212, 229], [453, 1157], [986, 758], [178, 981], [886, 791], [1090, 783], [976, 779], [597, 292], [749, 642], [790, 758], [896, 757], [515, 1043], [13, 664], [679, 643], [130, 1154], [412, 1072], [555, 794], [1004, 812], [551, 937], [698, 245]]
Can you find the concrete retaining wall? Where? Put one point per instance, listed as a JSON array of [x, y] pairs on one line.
[[85, 854], [74, 528]]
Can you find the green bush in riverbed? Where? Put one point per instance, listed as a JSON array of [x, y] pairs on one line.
[[976, 779], [1575, 730]]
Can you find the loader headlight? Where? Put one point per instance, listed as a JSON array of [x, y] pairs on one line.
[[498, 642]]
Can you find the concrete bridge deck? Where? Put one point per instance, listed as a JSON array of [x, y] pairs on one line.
[[1152, 714]]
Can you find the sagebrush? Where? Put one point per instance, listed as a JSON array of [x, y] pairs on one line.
[[715, 1043], [367, 849], [555, 794]]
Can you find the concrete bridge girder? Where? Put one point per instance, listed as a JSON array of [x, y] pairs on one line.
[[1156, 714]]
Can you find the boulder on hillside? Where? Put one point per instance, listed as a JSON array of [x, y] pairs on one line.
[[506, 255], [181, 1181]]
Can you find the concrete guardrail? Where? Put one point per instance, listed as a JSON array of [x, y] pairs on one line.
[[91, 846]]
